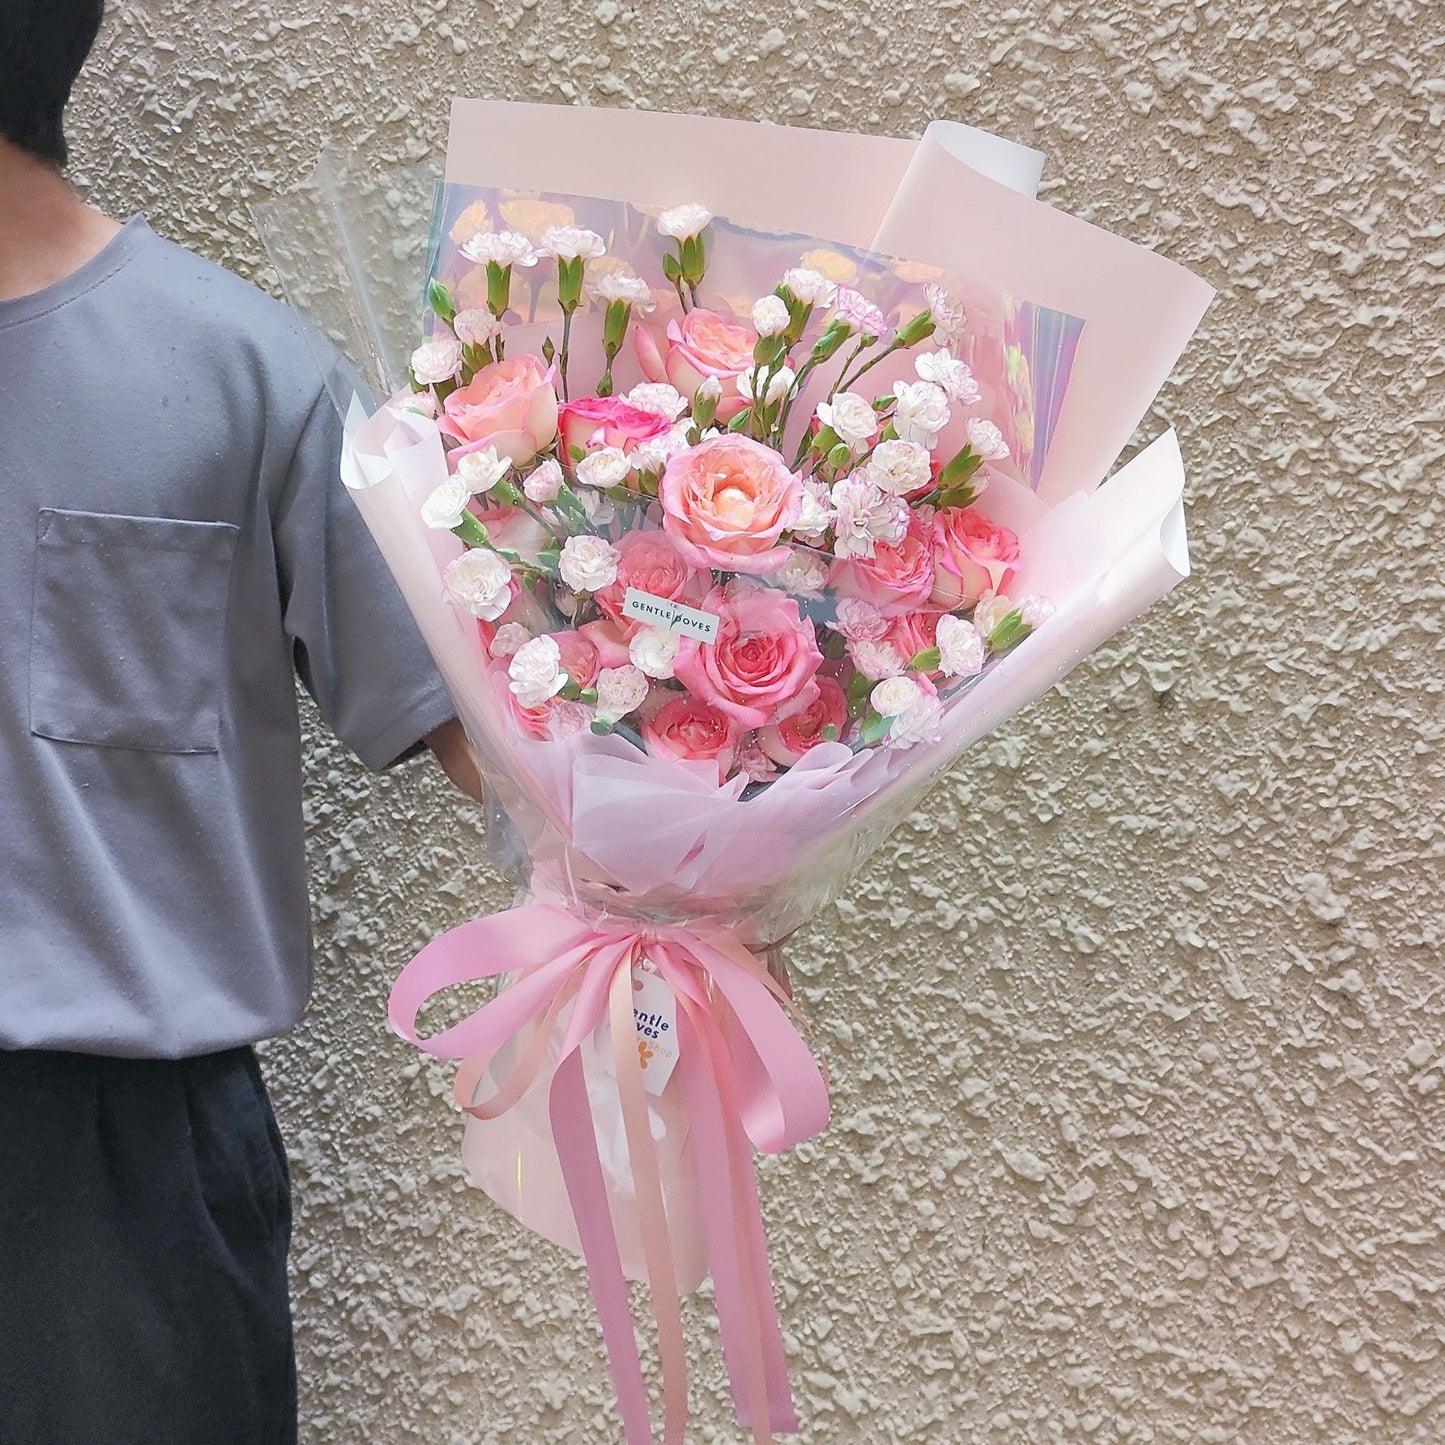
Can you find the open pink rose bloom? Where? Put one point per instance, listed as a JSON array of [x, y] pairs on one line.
[[788, 493]]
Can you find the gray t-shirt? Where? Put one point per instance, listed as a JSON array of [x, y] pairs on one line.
[[176, 545]]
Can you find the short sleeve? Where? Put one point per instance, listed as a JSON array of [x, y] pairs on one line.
[[357, 649]]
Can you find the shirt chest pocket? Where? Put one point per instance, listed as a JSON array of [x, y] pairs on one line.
[[128, 630]]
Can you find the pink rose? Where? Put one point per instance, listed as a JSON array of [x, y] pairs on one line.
[[651, 562], [898, 577], [971, 556], [510, 405], [786, 741], [690, 729], [913, 633], [701, 345], [516, 530], [610, 638], [726, 501], [761, 665], [579, 657], [598, 421]]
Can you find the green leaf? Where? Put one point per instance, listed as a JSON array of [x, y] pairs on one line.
[[959, 497], [959, 469], [928, 660], [857, 694], [874, 729]]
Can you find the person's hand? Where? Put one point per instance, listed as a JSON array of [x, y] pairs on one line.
[[454, 752]]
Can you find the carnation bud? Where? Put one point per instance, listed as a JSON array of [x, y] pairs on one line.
[[705, 402], [917, 330]]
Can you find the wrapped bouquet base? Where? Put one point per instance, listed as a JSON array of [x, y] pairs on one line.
[[734, 506], [678, 1198]]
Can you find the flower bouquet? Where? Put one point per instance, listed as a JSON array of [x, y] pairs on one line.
[[733, 508]]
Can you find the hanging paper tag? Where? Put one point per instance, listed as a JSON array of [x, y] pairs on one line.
[[654, 1014]]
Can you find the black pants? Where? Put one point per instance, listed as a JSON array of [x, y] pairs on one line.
[[145, 1213]]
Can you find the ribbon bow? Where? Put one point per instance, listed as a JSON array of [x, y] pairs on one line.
[[748, 1080]]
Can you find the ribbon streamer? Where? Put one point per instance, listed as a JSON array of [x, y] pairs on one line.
[[749, 1081]]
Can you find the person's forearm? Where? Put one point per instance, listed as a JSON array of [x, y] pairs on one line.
[[453, 751]]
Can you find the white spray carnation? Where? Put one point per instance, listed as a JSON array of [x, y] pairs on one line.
[[536, 672], [500, 248], [607, 467], [447, 505], [620, 690], [481, 471], [588, 563], [545, 483], [987, 440], [897, 468], [658, 398], [921, 412], [510, 638], [436, 361], [572, 243], [770, 316], [682, 223], [949, 374], [851, 418], [479, 582], [961, 650], [810, 287], [653, 651], [475, 327]]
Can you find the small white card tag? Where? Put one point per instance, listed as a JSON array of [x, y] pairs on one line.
[[690, 621], [654, 1014]]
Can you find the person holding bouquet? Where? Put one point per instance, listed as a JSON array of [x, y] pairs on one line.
[[176, 546]]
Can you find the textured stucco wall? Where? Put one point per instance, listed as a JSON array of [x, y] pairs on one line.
[[1138, 1028]]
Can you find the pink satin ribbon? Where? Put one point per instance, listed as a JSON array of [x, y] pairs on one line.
[[749, 1081]]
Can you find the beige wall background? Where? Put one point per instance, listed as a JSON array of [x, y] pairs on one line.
[[1137, 1027]]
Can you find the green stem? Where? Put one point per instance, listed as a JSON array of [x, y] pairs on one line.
[[804, 372], [863, 370], [566, 348]]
